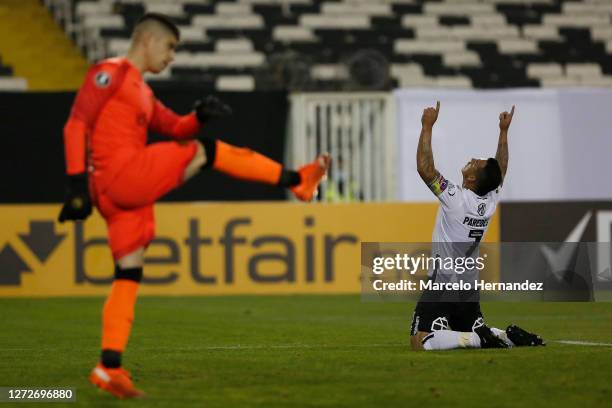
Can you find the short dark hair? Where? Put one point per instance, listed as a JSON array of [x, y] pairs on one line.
[[489, 177], [163, 20]]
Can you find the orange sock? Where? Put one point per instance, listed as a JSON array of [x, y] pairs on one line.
[[245, 164], [118, 314]]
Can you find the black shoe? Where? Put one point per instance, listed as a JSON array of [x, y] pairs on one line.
[[521, 337], [488, 339]]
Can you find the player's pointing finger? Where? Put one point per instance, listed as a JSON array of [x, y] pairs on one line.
[[437, 106], [512, 111]]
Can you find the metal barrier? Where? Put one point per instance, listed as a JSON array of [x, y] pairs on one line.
[[358, 131]]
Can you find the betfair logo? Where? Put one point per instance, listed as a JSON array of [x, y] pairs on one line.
[[265, 249], [206, 248], [41, 240]]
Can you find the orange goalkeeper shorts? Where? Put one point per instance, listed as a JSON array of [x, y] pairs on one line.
[[127, 203]]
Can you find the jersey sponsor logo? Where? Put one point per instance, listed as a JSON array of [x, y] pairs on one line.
[[438, 185], [102, 79], [475, 222], [482, 208]]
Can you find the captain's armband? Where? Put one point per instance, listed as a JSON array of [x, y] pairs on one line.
[[438, 185]]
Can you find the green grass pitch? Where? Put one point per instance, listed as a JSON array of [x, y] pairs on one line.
[[300, 351]]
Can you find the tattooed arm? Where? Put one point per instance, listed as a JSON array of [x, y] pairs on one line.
[[425, 161], [501, 156]]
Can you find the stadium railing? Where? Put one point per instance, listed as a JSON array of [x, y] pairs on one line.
[[358, 131]]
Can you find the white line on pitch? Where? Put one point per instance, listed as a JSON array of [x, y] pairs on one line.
[[583, 343]]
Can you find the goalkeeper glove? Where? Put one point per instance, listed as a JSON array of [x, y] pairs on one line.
[[211, 108], [77, 205]]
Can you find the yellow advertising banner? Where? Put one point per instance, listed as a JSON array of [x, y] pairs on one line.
[[210, 248]]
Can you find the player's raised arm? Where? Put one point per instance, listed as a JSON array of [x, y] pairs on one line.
[[501, 156], [425, 160], [168, 123]]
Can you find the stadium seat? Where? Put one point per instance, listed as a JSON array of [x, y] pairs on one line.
[[462, 38], [235, 83], [9, 83]]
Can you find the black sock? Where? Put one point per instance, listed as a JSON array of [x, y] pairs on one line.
[[111, 358], [289, 178], [210, 150]]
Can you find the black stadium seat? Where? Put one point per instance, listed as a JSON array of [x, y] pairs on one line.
[[493, 43]]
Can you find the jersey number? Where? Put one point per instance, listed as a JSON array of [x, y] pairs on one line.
[[477, 234]]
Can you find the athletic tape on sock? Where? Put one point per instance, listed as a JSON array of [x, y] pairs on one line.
[[133, 274]]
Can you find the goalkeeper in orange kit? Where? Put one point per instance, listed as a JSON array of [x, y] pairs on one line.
[[110, 166]]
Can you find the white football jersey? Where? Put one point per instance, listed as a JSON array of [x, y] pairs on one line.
[[461, 222]]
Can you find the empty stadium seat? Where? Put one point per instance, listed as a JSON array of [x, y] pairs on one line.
[[10, 82], [483, 43]]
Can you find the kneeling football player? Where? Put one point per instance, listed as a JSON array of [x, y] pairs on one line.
[[439, 323]]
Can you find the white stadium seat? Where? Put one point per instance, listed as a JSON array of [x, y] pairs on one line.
[[602, 32], [364, 8], [170, 9], [93, 8], [118, 46], [329, 71], [442, 35], [325, 21], [464, 9], [240, 83], [425, 47], [561, 82], [228, 21], [415, 20], [583, 70], [13, 84], [598, 82], [539, 32], [212, 59], [190, 33], [406, 69], [238, 45], [109, 21], [514, 46], [461, 59], [233, 8], [542, 70], [591, 20], [293, 33]]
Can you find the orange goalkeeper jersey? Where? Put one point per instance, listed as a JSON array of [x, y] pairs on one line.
[[110, 118]]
